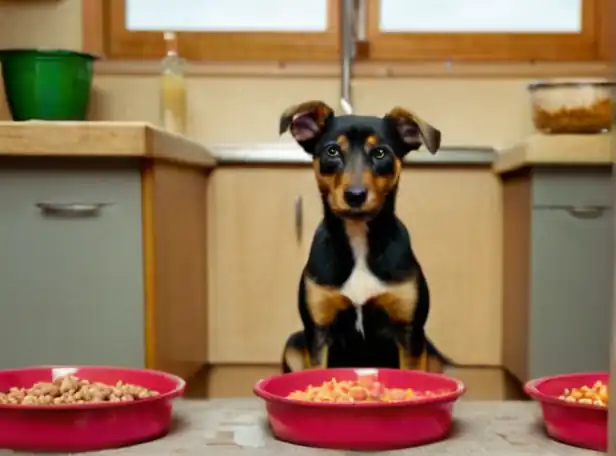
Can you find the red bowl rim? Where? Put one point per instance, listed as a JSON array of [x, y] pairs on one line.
[[259, 390], [177, 391], [532, 389]]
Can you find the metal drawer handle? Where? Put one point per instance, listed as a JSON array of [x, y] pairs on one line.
[[71, 209], [586, 212], [299, 216]]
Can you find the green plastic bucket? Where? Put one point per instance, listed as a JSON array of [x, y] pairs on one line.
[[47, 84]]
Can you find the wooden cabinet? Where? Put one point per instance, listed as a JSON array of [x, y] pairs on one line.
[[558, 271], [261, 226], [454, 217], [257, 255], [121, 284]]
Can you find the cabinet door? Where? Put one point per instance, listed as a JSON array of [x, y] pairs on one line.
[[571, 291], [261, 226], [454, 218], [71, 286]]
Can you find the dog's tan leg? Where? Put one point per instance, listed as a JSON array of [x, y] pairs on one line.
[[323, 357], [408, 361], [435, 365], [405, 360], [295, 359], [295, 356], [423, 362], [320, 358]]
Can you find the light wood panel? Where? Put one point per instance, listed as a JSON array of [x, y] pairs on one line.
[[454, 215], [516, 276], [100, 139], [557, 150], [257, 258], [367, 69], [175, 247]]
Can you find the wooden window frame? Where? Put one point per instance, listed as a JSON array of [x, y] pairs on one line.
[[104, 33], [488, 46], [110, 37]]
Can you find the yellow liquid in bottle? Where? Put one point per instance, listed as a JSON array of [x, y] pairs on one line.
[[174, 104]]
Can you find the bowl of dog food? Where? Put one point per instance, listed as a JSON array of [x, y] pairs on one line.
[[572, 107], [74, 409], [360, 409], [574, 408]]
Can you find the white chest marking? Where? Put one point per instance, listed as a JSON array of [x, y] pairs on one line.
[[362, 284]]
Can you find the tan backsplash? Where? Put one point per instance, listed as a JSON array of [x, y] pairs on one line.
[[470, 112]]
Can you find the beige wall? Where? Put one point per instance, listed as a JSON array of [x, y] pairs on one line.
[[470, 112]]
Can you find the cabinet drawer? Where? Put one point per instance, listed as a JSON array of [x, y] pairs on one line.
[[572, 187], [71, 282]]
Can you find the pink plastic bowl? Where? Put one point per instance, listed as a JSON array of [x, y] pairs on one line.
[[580, 425], [86, 427], [360, 426]]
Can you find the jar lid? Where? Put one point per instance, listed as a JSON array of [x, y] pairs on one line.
[[558, 84]]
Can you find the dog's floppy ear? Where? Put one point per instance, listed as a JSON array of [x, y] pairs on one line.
[[306, 122], [413, 131]]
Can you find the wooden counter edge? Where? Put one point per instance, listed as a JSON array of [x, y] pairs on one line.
[[555, 150], [101, 139]]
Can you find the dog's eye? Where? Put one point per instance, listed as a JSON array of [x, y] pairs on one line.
[[378, 153], [332, 151]]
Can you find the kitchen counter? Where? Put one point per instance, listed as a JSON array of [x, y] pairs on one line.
[[102, 140], [238, 426], [288, 152], [555, 150], [140, 139]]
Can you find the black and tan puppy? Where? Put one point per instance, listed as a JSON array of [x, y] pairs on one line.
[[363, 297]]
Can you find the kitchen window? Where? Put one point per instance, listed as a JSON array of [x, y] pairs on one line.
[[389, 30], [222, 30], [505, 30]]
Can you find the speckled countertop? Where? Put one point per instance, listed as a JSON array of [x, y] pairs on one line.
[[238, 427]]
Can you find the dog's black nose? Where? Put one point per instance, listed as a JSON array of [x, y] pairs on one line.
[[355, 196]]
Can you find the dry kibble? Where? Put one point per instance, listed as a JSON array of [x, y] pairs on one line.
[[595, 395], [365, 390], [594, 118], [72, 390]]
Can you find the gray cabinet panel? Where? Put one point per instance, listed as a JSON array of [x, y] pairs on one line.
[[71, 288], [575, 187], [571, 292]]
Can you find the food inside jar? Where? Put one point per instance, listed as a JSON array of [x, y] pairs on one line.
[[592, 118], [591, 395], [362, 390], [72, 390]]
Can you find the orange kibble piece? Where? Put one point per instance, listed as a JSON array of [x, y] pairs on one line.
[[364, 389], [596, 395], [358, 393]]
